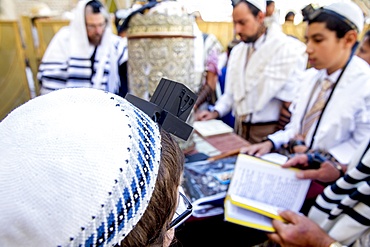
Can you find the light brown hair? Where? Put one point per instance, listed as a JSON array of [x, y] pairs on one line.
[[152, 228]]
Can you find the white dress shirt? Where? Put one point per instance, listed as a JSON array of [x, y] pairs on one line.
[[345, 122], [259, 89]]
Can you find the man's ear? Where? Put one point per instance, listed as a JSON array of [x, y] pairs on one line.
[[261, 17], [350, 38]]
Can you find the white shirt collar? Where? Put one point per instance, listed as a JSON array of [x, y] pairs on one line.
[[333, 77]]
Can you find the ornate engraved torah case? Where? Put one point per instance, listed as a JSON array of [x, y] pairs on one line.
[[161, 46]]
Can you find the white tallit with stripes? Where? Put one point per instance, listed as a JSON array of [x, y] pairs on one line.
[[266, 73], [66, 62], [343, 209]]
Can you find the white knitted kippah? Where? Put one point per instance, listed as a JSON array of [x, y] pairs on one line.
[[77, 168]]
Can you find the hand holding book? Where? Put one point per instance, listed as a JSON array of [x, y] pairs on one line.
[[325, 171], [259, 189], [290, 233]]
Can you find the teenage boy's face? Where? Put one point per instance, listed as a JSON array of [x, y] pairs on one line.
[[324, 49]]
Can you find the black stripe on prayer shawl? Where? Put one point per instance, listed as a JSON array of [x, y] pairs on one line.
[[48, 69], [329, 200], [121, 55], [364, 169], [79, 59], [115, 45], [78, 78], [52, 63], [51, 88], [96, 61], [358, 217], [325, 210], [41, 71], [358, 196], [350, 179], [344, 210], [79, 66], [340, 191], [54, 79], [106, 70]]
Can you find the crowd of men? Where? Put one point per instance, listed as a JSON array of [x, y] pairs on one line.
[[309, 101]]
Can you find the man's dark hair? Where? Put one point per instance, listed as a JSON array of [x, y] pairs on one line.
[[289, 14], [269, 2], [252, 8], [367, 34], [95, 5], [333, 23]]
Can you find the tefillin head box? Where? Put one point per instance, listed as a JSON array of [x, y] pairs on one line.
[[169, 106]]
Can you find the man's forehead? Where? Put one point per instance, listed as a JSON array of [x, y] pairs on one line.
[[94, 17]]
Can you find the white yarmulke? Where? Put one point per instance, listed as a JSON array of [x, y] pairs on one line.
[[260, 4], [350, 11], [78, 168]]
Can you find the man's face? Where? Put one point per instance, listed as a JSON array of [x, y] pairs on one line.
[[270, 9], [246, 25], [324, 49], [95, 27], [364, 49]]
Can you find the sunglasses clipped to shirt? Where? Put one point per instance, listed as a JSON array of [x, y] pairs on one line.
[[183, 211]]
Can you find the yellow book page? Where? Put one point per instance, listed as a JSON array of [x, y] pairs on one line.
[[244, 217], [265, 188]]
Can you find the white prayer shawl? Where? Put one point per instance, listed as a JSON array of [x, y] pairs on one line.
[[66, 62], [264, 76], [198, 57], [345, 123], [343, 210]]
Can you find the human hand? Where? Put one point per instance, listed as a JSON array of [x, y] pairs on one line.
[[298, 161], [297, 145], [258, 149], [326, 173], [298, 231], [206, 115], [298, 149]]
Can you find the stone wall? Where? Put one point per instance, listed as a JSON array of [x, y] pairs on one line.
[[23, 6]]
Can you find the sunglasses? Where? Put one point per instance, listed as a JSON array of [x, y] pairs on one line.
[[321, 10], [183, 211]]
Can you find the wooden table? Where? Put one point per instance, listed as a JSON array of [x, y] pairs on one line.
[[219, 146]]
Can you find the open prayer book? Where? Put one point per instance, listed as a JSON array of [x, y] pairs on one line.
[[259, 189], [212, 127]]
